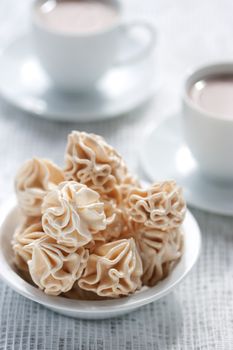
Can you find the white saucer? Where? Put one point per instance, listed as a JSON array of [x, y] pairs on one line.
[[94, 309], [24, 84], [164, 155]]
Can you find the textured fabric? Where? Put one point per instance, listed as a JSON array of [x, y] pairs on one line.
[[199, 313]]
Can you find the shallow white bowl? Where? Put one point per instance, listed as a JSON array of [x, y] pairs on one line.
[[94, 309]]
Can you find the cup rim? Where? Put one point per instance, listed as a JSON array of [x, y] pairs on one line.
[[214, 68], [36, 22]]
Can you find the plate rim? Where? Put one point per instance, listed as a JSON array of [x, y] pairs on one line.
[[70, 116], [87, 307]]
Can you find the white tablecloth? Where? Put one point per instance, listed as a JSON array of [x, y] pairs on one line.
[[199, 313]]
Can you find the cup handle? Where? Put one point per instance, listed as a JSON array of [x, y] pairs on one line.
[[145, 50]]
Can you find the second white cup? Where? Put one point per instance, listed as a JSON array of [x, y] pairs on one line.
[[209, 135]]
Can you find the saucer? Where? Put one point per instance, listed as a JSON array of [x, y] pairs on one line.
[[164, 155], [94, 309], [24, 84]]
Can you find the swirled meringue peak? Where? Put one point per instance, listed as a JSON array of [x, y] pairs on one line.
[[34, 179], [113, 270], [54, 268], [72, 213], [91, 161], [161, 207]]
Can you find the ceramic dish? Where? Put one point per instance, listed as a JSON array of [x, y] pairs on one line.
[[24, 84], [94, 309]]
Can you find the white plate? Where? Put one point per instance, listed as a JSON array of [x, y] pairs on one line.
[[24, 84], [94, 309], [164, 155]]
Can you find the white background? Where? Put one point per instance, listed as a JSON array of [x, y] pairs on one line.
[[199, 315]]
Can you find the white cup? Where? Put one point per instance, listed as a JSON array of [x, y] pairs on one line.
[[77, 61], [209, 136]]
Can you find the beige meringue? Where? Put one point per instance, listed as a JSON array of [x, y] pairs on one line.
[[161, 207], [116, 222], [159, 252], [80, 294], [113, 270], [129, 184], [34, 179], [91, 161], [55, 268], [28, 231], [72, 213]]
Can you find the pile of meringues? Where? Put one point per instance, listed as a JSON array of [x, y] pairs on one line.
[[90, 230]]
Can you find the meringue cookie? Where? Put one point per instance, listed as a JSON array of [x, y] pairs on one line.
[[116, 222], [27, 232], [34, 179], [159, 252], [54, 268], [80, 294], [113, 270], [129, 184], [91, 161], [161, 207], [72, 213]]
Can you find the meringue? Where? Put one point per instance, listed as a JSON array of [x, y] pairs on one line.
[[159, 252], [91, 161], [80, 294], [72, 213], [34, 179], [113, 270], [116, 223], [161, 207], [28, 231], [55, 268]]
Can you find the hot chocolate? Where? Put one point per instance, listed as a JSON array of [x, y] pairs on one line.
[[214, 94], [77, 16]]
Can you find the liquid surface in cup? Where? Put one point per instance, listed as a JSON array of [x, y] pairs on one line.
[[77, 16], [214, 94]]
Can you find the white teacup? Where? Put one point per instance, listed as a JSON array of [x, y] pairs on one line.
[[209, 135], [76, 61]]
